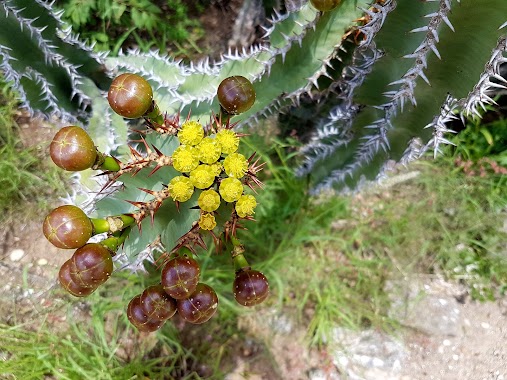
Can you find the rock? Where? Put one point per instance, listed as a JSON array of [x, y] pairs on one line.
[[367, 354], [42, 262], [16, 254], [429, 305]]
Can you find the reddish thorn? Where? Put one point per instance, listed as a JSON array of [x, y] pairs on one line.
[[151, 192], [154, 170]]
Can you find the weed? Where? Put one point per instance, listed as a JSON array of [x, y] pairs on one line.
[[146, 24], [24, 176]]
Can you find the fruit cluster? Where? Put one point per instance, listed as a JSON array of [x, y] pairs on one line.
[[210, 171]]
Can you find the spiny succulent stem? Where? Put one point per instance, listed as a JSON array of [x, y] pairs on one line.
[[111, 224], [112, 243]]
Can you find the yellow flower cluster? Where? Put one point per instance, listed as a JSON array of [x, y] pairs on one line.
[[211, 164]]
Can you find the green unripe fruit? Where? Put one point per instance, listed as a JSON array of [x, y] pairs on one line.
[[130, 96], [72, 149], [236, 95], [325, 5], [67, 227], [250, 287], [200, 306]]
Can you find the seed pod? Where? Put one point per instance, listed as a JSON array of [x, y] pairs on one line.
[[180, 277], [200, 306], [250, 287], [157, 304], [130, 95], [72, 149], [139, 318], [236, 95], [91, 265], [70, 285], [325, 5], [67, 227]]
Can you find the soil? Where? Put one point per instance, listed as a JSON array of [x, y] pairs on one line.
[[472, 347]]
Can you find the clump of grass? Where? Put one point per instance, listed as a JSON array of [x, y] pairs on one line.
[[25, 177]]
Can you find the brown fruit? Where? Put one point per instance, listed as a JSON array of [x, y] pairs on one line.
[[139, 318], [250, 287], [325, 5], [157, 304], [180, 277], [236, 95], [67, 227], [70, 285], [91, 265], [72, 149], [200, 306], [130, 95]]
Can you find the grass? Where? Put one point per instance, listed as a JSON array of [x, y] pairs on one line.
[[25, 178]]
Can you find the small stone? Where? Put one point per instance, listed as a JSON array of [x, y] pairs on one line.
[[485, 325], [42, 262], [16, 254]]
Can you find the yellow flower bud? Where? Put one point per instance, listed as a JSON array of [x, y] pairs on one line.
[[209, 200], [235, 165], [230, 189], [185, 158], [207, 221], [191, 133], [181, 188], [202, 177], [228, 141], [246, 205], [209, 150]]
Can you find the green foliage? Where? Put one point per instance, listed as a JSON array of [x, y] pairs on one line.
[[484, 137], [147, 24]]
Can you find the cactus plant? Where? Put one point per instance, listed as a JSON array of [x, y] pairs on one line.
[[390, 74]]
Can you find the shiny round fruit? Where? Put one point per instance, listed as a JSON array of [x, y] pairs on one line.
[[139, 318], [130, 96], [180, 277], [70, 285], [236, 95], [250, 287], [91, 265], [200, 306], [72, 149], [325, 5], [157, 304], [67, 227]]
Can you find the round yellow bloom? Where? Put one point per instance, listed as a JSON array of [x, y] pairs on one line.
[[209, 200], [185, 158], [181, 188], [209, 150], [230, 189], [207, 221], [191, 133], [235, 165], [245, 205], [217, 168], [228, 140], [202, 177]]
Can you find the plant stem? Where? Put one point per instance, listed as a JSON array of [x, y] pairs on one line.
[[154, 115], [239, 260], [112, 243], [111, 224], [105, 162]]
